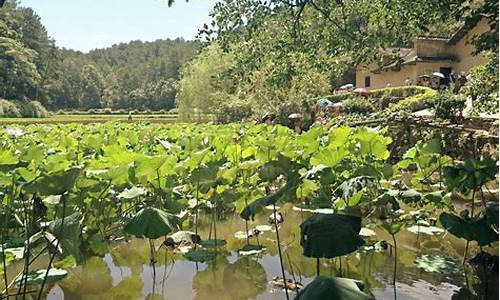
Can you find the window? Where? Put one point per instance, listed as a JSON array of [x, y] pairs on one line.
[[367, 81]]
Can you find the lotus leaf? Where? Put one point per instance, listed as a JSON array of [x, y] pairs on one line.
[[151, 223]]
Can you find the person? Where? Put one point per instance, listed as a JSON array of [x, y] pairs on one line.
[[408, 82], [462, 79]]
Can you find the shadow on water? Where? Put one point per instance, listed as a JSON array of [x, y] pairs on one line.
[[126, 272]]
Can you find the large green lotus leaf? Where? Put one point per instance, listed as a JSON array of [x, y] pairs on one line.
[[205, 176], [151, 223], [250, 210], [7, 158], [251, 250], [478, 229], [54, 183], [200, 255], [470, 175], [325, 288], [153, 166], [306, 189], [372, 143], [330, 235], [340, 136], [274, 168], [68, 234], [437, 263], [36, 277], [329, 157], [433, 146], [309, 140]]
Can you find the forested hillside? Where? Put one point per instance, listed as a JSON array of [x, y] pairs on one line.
[[135, 75]]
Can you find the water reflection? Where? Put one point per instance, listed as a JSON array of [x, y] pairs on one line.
[[244, 279], [126, 273]]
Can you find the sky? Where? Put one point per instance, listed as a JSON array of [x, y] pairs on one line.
[[88, 24]]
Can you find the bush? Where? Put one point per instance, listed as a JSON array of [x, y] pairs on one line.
[[358, 105], [92, 111], [233, 112], [449, 106], [107, 111], [482, 87], [9, 109], [386, 100], [413, 103], [33, 109]]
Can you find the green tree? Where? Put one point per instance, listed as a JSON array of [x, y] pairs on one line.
[[92, 87], [18, 73]]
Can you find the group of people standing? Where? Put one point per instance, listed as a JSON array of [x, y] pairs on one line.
[[453, 81]]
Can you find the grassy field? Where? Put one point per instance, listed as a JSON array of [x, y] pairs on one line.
[[96, 118]]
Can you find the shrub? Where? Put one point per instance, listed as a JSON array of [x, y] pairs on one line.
[[92, 111], [358, 105], [9, 109], [107, 111], [482, 87], [33, 109], [413, 103], [449, 106], [233, 112], [386, 100]]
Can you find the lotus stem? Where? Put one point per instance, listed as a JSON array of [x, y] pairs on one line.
[[63, 199], [466, 252], [5, 279], [279, 251], [395, 263]]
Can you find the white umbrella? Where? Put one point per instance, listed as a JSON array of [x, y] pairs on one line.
[[347, 86], [437, 74]]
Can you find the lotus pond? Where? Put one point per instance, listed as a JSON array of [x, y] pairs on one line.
[[150, 211]]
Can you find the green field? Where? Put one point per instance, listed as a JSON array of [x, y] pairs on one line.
[[92, 118]]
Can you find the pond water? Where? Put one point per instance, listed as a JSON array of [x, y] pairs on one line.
[[125, 272]]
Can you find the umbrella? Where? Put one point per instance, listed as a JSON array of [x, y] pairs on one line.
[[347, 86], [324, 102], [437, 74], [361, 91]]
